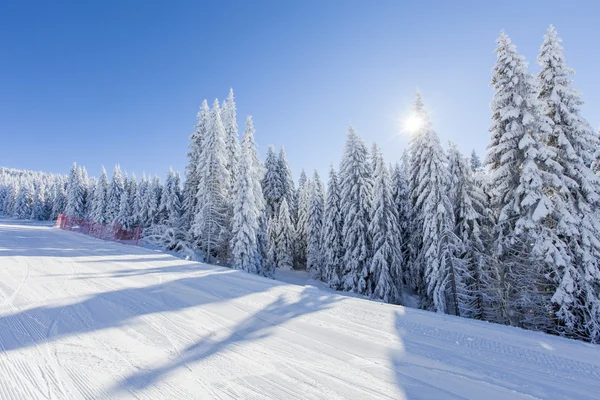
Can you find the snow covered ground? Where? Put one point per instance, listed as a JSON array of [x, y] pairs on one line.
[[83, 318]]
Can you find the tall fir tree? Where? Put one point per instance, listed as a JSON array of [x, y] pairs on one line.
[[468, 204], [245, 251], [301, 223], [400, 193], [332, 233], [232, 143], [213, 216], [115, 191], [527, 248], [272, 183], [435, 263], [100, 201], [285, 238], [75, 194], [190, 188], [23, 204], [386, 264], [38, 211], [572, 141], [314, 229], [356, 188], [475, 161], [125, 215], [288, 190], [60, 197]]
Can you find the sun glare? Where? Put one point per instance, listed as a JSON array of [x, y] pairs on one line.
[[412, 123]]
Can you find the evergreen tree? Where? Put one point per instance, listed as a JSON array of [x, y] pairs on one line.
[[288, 190], [75, 194], [435, 263], [301, 223], [386, 265], [258, 174], [100, 201], [190, 189], [142, 202], [572, 141], [332, 233], [314, 229], [245, 250], [152, 201], [213, 217], [60, 198], [24, 199], [38, 211], [115, 191], [272, 183], [475, 161], [468, 205], [285, 238], [356, 187], [171, 202], [527, 249], [400, 194], [125, 215], [229, 117], [84, 181]]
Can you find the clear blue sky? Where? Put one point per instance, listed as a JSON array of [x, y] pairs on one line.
[[101, 82]]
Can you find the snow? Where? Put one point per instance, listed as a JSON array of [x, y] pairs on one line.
[[83, 318]]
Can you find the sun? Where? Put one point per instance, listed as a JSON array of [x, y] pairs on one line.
[[413, 123]]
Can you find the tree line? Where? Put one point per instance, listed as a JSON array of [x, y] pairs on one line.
[[513, 240]]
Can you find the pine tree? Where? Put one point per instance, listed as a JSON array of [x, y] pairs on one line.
[[75, 194], [572, 141], [245, 250], [314, 229], [272, 183], [100, 201], [332, 234], [115, 191], [526, 247], [213, 217], [435, 263], [141, 202], [288, 190], [258, 174], [229, 117], [475, 161], [60, 197], [84, 181], [356, 187], [190, 189], [152, 201], [38, 211], [285, 238], [468, 205], [125, 215], [301, 223], [400, 194], [386, 265], [24, 198], [171, 201], [595, 166]]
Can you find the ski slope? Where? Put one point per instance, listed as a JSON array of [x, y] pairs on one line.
[[83, 318]]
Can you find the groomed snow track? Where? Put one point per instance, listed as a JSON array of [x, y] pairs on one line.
[[83, 318]]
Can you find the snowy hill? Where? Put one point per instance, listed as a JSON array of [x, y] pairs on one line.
[[83, 318]]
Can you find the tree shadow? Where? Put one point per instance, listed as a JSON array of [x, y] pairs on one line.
[[116, 308], [255, 327]]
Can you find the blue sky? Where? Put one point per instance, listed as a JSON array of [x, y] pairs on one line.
[[101, 82]]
